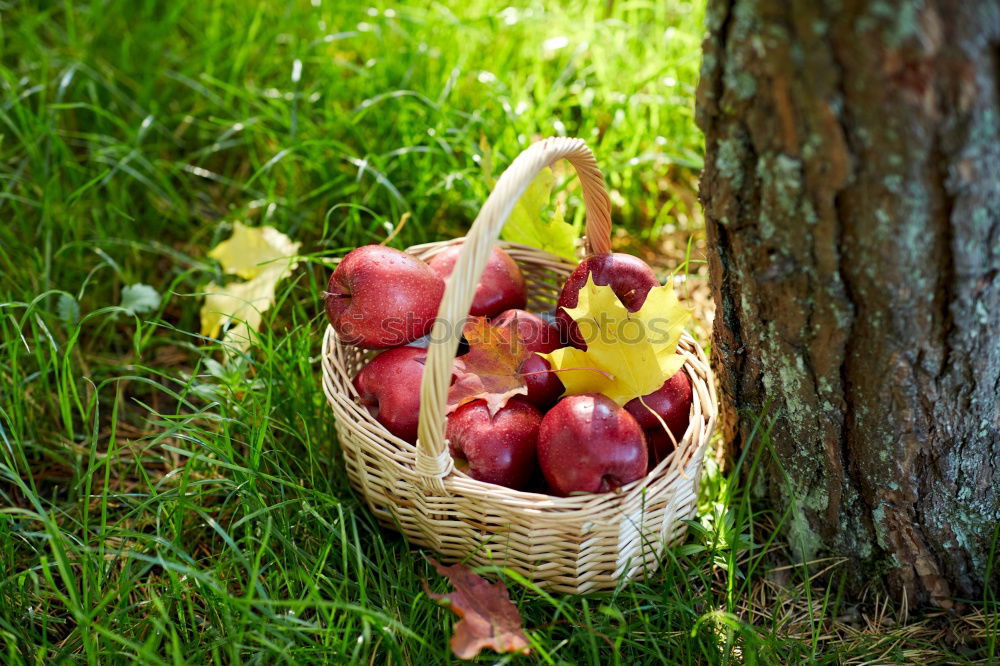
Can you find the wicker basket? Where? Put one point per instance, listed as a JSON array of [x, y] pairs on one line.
[[566, 544]]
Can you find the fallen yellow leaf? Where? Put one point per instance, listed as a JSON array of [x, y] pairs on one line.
[[239, 302], [264, 256], [252, 251], [629, 354]]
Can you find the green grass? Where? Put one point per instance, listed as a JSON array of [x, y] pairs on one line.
[[162, 505]]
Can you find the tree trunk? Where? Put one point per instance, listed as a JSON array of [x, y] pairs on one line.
[[852, 196]]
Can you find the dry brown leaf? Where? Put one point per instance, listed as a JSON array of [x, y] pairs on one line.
[[490, 371], [489, 619]]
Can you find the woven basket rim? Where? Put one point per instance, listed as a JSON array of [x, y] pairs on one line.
[[457, 482]]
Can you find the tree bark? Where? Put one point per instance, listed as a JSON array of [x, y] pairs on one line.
[[852, 199]]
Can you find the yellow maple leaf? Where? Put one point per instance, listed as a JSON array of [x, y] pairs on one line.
[[253, 251], [239, 303], [629, 354], [262, 255]]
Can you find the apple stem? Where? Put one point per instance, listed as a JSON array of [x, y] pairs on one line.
[[659, 418], [603, 372]]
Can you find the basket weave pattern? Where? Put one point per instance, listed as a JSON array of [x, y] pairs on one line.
[[566, 544]]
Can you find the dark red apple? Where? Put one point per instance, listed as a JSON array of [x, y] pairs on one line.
[[381, 297], [544, 387], [534, 332], [672, 402], [500, 449], [659, 445], [629, 277], [389, 386], [587, 443], [501, 286]]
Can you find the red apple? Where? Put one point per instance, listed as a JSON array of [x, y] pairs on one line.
[[381, 297], [544, 387], [501, 286], [500, 449], [629, 277], [659, 445], [672, 402], [389, 386], [588, 443], [535, 333]]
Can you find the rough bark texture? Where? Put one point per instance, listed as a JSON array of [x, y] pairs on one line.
[[852, 195]]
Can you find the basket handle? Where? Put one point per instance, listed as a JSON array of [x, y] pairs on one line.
[[433, 462]]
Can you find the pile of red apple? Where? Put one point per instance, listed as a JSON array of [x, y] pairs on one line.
[[382, 298]]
